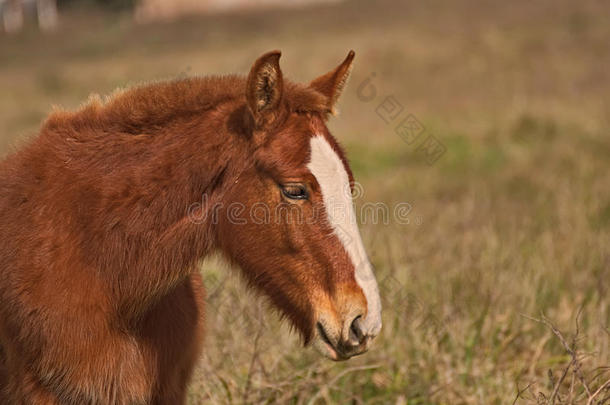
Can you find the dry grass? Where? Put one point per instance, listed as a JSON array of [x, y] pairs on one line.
[[497, 290]]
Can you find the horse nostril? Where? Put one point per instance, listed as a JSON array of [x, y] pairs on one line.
[[356, 333]]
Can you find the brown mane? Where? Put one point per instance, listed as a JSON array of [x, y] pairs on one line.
[[142, 109]]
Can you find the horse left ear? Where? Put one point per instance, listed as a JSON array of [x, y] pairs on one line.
[[264, 88], [332, 83]]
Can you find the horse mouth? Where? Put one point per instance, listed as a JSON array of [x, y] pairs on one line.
[[331, 350]]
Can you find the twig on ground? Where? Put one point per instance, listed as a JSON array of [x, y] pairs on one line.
[[570, 348], [520, 392], [596, 393]]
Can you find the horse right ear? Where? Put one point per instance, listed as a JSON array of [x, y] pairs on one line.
[[264, 88]]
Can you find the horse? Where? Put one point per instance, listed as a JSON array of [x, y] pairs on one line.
[[101, 300]]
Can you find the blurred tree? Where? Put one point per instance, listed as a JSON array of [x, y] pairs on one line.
[[13, 13], [111, 5]]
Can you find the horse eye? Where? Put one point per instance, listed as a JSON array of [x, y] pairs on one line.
[[295, 191]]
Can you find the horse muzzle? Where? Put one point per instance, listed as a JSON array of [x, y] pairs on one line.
[[343, 340]]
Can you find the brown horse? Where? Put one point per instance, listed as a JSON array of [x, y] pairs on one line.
[[101, 301]]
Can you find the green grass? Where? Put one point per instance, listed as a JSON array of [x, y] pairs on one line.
[[512, 222]]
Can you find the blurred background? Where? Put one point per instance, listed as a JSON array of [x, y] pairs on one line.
[[489, 120]]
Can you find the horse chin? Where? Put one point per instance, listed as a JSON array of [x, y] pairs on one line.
[[326, 350]]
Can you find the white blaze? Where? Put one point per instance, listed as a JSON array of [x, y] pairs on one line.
[[330, 173]]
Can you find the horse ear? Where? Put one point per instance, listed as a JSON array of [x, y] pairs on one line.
[[264, 87], [332, 83]]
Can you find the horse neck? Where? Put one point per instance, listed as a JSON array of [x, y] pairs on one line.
[[175, 228]]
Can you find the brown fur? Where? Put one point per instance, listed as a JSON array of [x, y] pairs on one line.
[[100, 298]]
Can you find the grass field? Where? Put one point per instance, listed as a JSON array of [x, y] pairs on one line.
[[496, 290]]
